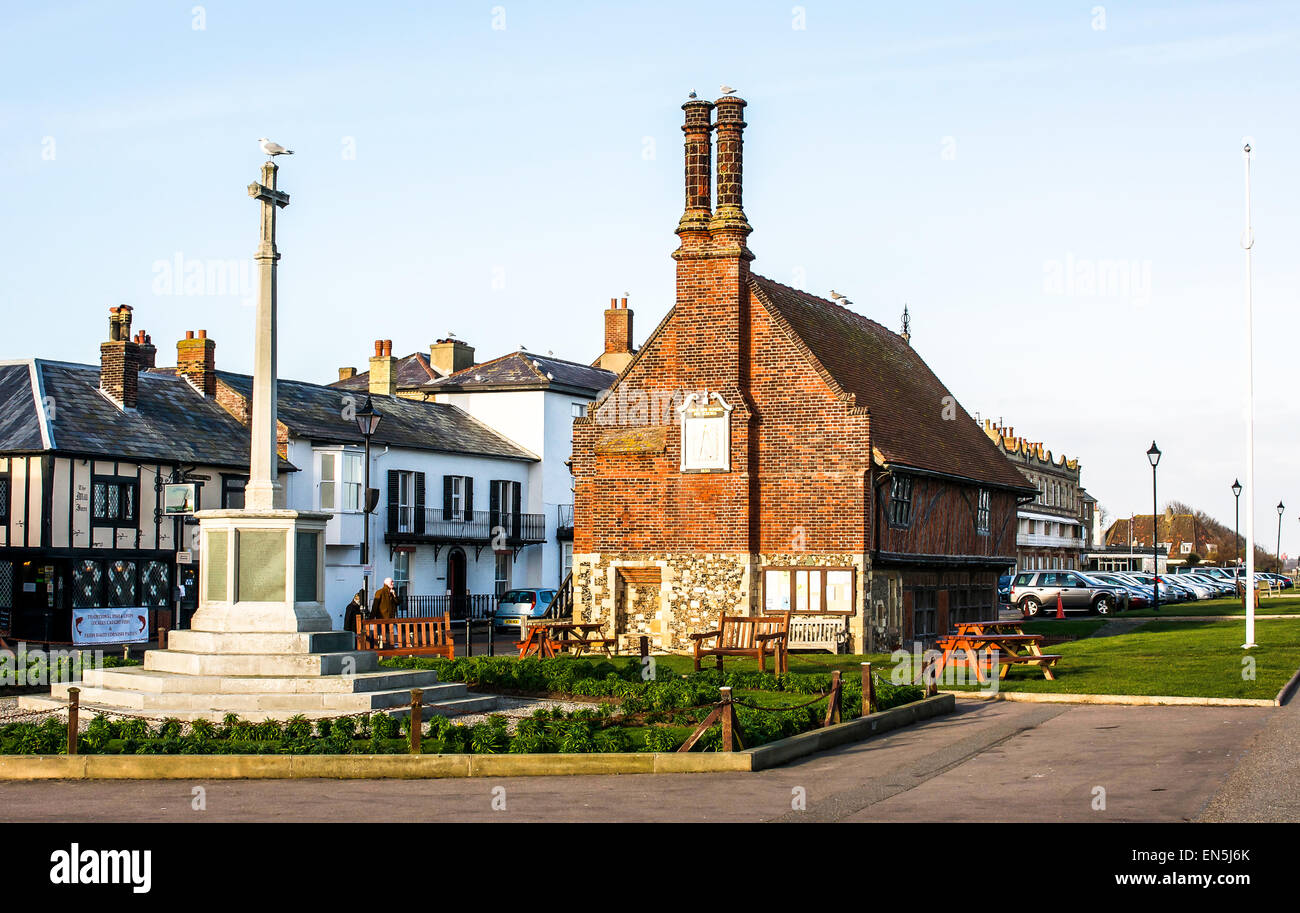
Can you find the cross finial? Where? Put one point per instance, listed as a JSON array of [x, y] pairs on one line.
[[907, 325]]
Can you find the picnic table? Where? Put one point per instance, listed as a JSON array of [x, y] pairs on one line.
[[978, 641], [545, 638]]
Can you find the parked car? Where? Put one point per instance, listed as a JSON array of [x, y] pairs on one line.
[[516, 605], [1285, 582], [1139, 596], [1035, 593], [1004, 588], [1168, 592]]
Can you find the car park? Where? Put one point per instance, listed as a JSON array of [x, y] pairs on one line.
[[1036, 593], [1139, 596]]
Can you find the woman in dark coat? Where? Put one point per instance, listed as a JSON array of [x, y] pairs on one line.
[[355, 609]]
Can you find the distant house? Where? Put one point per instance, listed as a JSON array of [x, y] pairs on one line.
[[1052, 530], [86, 453], [1179, 535], [528, 398]]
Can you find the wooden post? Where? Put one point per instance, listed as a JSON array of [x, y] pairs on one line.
[[126, 651], [417, 718], [74, 705], [868, 689], [162, 638], [726, 718], [645, 646], [833, 702]]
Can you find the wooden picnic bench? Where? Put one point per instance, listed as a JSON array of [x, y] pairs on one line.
[[546, 638], [979, 648], [406, 636], [747, 635]]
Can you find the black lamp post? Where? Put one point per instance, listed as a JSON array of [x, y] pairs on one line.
[[1280, 508], [1154, 456], [1236, 522], [368, 419]]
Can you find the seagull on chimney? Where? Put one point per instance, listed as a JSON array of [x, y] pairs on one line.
[[692, 95], [273, 149], [726, 89]]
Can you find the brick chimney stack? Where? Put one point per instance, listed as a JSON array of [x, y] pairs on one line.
[[694, 224], [729, 228], [347, 373], [447, 356], [148, 351], [196, 360], [119, 359], [618, 337], [383, 369]]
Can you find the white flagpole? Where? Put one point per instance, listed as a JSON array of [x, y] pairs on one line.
[[1248, 242]]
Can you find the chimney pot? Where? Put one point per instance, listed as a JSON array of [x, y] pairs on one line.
[[203, 334], [189, 334], [196, 360], [379, 347]]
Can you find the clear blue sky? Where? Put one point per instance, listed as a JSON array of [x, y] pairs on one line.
[[508, 181]]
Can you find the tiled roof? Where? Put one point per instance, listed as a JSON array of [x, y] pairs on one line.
[[887, 377], [412, 371], [317, 412], [527, 369], [171, 422], [20, 427], [1176, 528]]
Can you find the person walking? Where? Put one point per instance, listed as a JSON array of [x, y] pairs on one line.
[[356, 609], [384, 604]]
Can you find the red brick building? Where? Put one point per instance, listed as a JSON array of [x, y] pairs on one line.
[[766, 448]]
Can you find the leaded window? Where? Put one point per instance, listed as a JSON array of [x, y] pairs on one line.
[[982, 513], [900, 501], [121, 583], [113, 501]]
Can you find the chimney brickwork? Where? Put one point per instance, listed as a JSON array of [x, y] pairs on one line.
[[196, 360], [383, 369], [447, 356], [119, 359]]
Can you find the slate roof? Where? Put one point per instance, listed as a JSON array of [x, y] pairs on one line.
[[412, 371], [316, 412], [171, 422], [887, 376], [525, 369]]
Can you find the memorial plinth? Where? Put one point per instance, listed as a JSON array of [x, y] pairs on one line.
[[260, 644]]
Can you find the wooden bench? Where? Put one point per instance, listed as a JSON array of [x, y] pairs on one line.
[[406, 636], [747, 635]]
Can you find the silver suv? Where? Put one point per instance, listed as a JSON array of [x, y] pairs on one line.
[[1035, 593]]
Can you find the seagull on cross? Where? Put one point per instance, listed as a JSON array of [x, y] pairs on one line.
[[273, 149]]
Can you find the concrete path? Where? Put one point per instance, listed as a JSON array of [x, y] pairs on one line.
[[1265, 786], [985, 762]]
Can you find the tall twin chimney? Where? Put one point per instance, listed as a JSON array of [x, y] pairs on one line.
[[119, 359], [713, 256]]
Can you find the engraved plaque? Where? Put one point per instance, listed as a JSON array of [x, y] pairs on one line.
[[262, 565], [214, 563]]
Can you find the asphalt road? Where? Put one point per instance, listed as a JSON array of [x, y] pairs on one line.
[[986, 762]]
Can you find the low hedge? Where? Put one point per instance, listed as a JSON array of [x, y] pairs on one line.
[[634, 715]]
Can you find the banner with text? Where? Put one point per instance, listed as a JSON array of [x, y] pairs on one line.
[[110, 626]]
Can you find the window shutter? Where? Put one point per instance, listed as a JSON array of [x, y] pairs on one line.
[[419, 504], [392, 500], [516, 502], [469, 498], [494, 505], [446, 497]]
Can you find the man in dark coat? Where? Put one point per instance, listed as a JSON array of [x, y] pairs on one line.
[[384, 604]]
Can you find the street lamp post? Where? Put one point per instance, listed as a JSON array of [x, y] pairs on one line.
[[1280, 507], [1154, 456], [368, 419], [1236, 523]]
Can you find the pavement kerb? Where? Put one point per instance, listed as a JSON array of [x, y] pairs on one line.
[[372, 767], [1132, 700]]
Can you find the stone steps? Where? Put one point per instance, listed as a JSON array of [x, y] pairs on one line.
[[135, 678], [347, 663], [191, 641]]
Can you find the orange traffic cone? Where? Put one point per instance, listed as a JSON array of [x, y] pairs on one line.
[[1060, 607]]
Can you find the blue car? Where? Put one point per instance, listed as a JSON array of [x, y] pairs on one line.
[[529, 602]]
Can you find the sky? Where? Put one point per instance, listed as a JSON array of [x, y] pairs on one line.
[[1056, 190]]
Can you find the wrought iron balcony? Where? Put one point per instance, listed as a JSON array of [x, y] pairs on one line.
[[433, 524]]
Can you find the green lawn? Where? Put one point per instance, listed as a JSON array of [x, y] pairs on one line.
[[1174, 658], [1065, 627], [1278, 605]]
